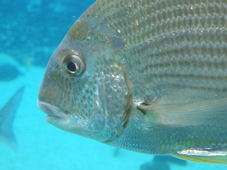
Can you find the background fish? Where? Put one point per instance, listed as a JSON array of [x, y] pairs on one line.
[[147, 76], [7, 114], [10, 72], [162, 163], [9, 68]]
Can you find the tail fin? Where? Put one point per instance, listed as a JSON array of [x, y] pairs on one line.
[[7, 115]]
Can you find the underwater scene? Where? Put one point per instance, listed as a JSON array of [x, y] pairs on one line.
[[31, 30]]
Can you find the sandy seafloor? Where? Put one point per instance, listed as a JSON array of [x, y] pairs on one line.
[[45, 147]]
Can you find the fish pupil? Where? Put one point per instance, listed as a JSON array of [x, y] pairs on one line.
[[72, 67]]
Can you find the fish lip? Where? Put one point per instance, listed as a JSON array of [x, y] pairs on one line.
[[51, 110]]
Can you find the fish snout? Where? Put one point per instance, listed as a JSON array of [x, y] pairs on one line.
[[46, 108], [51, 110]]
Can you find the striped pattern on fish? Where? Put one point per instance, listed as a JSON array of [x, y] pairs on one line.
[[171, 47]]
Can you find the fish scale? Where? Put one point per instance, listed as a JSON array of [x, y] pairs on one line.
[[158, 41]]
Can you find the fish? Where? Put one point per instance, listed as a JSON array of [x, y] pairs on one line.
[[7, 114], [10, 72], [162, 163], [10, 67], [146, 76]]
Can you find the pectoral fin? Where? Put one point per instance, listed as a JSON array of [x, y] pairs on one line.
[[222, 160], [210, 112]]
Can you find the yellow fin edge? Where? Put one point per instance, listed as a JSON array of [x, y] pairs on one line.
[[221, 160]]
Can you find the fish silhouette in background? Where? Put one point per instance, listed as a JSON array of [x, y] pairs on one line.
[[162, 163], [10, 72], [144, 75], [10, 67], [159, 162], [7, 114]]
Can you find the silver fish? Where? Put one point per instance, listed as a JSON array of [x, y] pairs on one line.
[[147, 76], [7, 114]]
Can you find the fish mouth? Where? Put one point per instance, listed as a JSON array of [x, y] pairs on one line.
[[52, 111]]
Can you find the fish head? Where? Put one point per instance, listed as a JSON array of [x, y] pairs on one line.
[[85, 89]]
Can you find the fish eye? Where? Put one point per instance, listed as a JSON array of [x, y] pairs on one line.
[[73, 65]]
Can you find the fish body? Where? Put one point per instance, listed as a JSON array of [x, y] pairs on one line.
[[147, 76], [7, 114]]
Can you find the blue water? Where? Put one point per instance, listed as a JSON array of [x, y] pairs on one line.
[[30, 31]]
